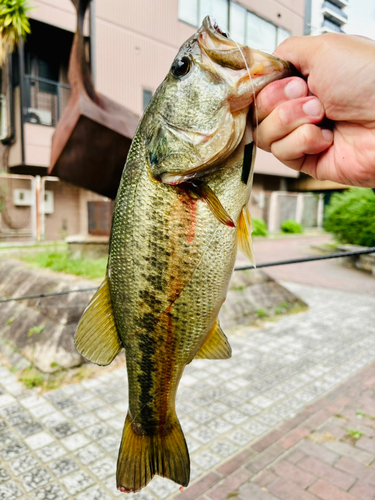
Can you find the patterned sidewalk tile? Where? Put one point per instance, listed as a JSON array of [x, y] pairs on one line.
[[260, 412]]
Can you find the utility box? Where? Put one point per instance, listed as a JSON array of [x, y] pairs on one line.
[[48, 202], [23, 197]]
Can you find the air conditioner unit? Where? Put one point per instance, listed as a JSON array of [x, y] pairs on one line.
[[39, 116], [23, 197], [48, 202]]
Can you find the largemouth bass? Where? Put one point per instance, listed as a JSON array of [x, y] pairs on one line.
[[181, 212]]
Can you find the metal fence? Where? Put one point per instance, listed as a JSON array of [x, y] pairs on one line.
[[45, 100]]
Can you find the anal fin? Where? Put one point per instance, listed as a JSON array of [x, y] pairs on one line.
[[96, 338], [245, 228], [216, 345]]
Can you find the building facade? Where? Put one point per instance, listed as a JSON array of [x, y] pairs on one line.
[[326, 16], [131, 46]]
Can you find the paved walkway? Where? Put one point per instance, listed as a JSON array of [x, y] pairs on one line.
[[326, 452], [63, 444], [324, 273]]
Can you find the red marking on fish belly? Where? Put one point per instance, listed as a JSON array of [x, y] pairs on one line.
[[193, 209]]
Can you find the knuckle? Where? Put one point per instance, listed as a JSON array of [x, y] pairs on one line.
[[305, 136]]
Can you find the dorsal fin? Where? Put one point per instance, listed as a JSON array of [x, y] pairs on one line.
[[216, 345], [96, 337], [245, 228]]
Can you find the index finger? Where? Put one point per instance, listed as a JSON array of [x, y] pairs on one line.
[[278, 92]]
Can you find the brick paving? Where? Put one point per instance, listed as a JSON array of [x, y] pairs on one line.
[[270, 423], [312, 456]]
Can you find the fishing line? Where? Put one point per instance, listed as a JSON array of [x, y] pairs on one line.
[[256, 115], [239, 268]]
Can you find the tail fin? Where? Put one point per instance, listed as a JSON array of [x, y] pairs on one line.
[[142, 456]]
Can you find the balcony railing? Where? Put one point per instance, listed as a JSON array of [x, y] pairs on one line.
[[330, 27], [334, 11], [340, 3], [45, 100]]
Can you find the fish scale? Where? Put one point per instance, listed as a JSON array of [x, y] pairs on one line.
[[180, 214]]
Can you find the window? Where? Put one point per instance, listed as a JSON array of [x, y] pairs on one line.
[[216, 8], [244, 26], [260, 34], [147, 96], [237, 28], [282, 35], [188, 11]]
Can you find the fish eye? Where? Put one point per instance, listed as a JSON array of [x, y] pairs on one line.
[[181, 67]]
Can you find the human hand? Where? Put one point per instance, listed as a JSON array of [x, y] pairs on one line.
[[340, 72]]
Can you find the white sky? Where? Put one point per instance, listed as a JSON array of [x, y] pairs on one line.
[[361, 18]]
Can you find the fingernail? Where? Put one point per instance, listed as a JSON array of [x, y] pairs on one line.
[[313, 107], [327, 134], [295, 89]]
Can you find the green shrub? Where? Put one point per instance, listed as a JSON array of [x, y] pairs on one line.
[[350, 216], [291, 226], [259, 227]]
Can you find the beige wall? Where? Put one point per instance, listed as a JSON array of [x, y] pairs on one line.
[[136, 41], [60, 13], [38, 140], [15, 221], [70, 215]]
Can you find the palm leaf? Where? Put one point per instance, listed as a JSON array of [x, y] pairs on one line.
[[14, 25]]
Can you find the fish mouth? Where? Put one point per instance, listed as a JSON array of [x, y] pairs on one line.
[[222, 55]]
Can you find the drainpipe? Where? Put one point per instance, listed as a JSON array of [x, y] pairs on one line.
[[37, 204], [9, 139], [92, 41], [41, 206], [21, 58], [34, 213]]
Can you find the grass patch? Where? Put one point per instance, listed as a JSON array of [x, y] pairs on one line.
[[10, 321], [59, 261], [261, 313], [361, 414], [355, 434], [35, 330]]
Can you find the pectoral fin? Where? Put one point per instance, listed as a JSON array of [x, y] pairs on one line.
[[216, 345], [205, 193], [245, 228], [96, 337]]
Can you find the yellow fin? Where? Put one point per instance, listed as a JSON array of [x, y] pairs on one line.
[[216, 345], [142, 455], [245, 228], [96, 337], [205, 192]]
